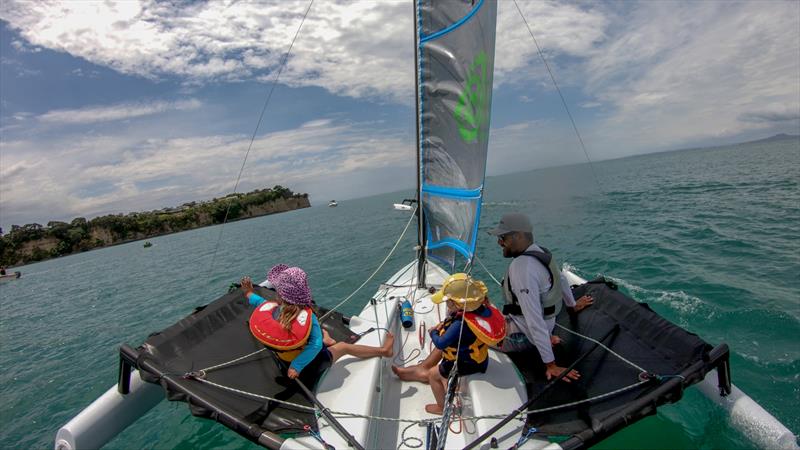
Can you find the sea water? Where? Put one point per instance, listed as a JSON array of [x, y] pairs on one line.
[[708, 237]]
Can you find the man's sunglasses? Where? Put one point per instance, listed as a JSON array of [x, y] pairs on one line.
[[504, 237]]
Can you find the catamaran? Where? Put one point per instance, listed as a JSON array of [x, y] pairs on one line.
[[633, 360]]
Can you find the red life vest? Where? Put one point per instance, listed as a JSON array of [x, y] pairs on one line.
[[268, 330], [490, 330]]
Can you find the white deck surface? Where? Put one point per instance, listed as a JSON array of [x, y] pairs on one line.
[[368, 387]]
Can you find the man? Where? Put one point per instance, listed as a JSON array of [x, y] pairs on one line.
[[534, 289]]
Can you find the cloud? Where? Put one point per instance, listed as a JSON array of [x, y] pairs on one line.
[[646, 76], [23, 47], [20, 71], [93, 175], [560, 29], [534, 143], [85, 73], [673, 74], [341, 46], [772, 113], [95, 114]]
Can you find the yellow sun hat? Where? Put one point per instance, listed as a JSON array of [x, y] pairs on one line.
[[462, 289]]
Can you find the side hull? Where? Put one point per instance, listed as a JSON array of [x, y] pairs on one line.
[[109, 415], [744, 414], [367, 387], [761, 427]]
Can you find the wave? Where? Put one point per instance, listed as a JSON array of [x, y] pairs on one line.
[[686, 306]]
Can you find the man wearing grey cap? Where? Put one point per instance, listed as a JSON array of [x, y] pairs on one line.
[[534, 289]]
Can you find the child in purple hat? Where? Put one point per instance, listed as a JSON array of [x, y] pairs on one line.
[[282, 325]]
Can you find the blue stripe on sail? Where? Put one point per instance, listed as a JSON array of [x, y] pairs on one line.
[[452, 192], [442, 261], [452, 27], [457, 244], [466, 249], [474, 242]]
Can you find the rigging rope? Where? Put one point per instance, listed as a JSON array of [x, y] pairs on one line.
[[373, 273], [563, 101], [201, 372], [255, 131], [625, 360], [603, 346], [344, 414]]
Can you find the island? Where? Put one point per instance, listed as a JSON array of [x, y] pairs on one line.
[[34, 242]]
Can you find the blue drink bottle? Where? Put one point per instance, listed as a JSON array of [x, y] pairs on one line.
[[406, 314]]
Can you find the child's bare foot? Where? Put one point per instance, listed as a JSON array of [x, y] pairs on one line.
[[327, 340], [555, 340], [411, 373], [388, 345], [434, 408]]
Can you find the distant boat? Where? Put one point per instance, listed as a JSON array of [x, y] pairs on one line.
[[332, 203], [147, 244], [405, 205], [10, 276]]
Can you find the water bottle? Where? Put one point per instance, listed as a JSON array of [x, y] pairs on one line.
[[406, 314]]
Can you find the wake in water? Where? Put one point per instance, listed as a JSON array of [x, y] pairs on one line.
[[683, 305]]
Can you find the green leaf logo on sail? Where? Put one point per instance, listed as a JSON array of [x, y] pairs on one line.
[[472, 110]]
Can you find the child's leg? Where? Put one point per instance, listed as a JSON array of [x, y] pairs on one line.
[[438, 386], [419, 372], [327, 340], [340, 349]]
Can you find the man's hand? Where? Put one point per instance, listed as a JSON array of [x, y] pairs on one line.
[[553, 371], [554, 340], [583, 303], [291, 373]]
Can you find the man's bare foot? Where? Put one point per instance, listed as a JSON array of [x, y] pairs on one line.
[[555, 340], [388, 345], [433, 408], [411, 373]]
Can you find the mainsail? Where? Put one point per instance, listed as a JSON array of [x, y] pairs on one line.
[[455, 65]]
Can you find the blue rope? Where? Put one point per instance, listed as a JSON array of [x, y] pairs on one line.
[[524, 438], [318, 437]]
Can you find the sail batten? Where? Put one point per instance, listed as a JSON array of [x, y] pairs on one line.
[[455, 69]]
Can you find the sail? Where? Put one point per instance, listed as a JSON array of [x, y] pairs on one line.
[[455, 66]]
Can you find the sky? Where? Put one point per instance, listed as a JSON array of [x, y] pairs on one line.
[[112, 107]]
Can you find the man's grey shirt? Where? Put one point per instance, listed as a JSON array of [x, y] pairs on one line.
[[530, 279]]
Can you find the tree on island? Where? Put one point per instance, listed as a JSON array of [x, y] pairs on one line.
[[80, 234]]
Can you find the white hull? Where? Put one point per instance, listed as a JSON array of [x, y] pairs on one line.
[[10, 276], [107, 416], [749, 417], [367, 387]]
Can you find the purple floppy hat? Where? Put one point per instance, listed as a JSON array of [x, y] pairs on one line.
[[291, 284]]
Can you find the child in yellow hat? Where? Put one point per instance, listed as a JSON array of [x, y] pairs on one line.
[[463, 337]]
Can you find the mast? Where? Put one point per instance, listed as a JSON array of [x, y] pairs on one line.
[[420, 216]]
